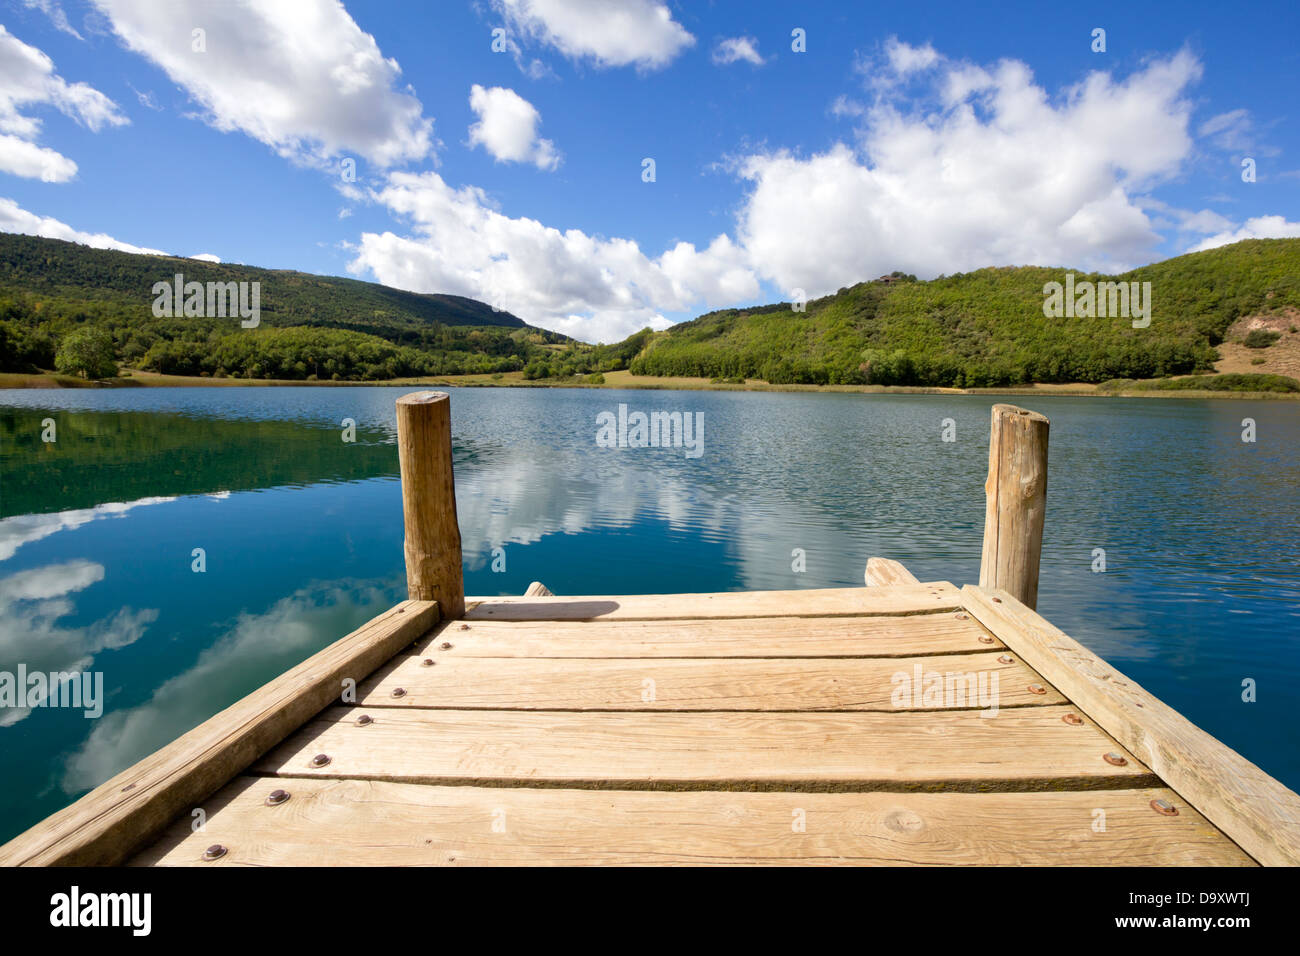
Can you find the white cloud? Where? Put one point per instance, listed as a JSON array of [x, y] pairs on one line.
[[206, 257], [587, 286], [990, 172], [905, 59], [733, 49], [53, 10], [507, 128], [1260, 227], [301, 77], [27, 78], [19, 530], [14, 218], [610, 32]]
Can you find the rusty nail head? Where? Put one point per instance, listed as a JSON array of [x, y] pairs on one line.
[[464, 627], [1165, 807], [214, 852], [997, 600], [1074, 719], [985, 639], [320, 760], [1115, 759], [399, 691], [401, 610], [446, 646], [277, 797], [1006, 659], [365, 719], [427, 662], [1037, 689], [129, 786], [961, 617]]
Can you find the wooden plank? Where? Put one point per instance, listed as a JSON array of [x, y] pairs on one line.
[[744, 684], [112, 821], [810, 602], [1247, 804], [901, 636], [538, 589], [882, 573], [367, 823], [1025, 748]]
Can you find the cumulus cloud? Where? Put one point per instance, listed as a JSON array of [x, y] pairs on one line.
[[733, 49], [206, 257], [609, 32], [13, 218], [301, 77], [1260, 227], [27, 79], [507, 128], [986, 170], [587, 286]]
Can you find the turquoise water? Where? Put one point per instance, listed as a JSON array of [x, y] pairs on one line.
[[301, 535]]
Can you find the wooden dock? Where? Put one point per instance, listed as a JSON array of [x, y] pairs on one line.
[[896, 723]]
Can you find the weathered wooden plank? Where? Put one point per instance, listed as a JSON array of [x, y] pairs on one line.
[[115, 819], [882, 572], [900, 636], [988, 680], [368, 823], [809, 602], [538, 589], [432, 542], [1247, 804], [1025, 748]]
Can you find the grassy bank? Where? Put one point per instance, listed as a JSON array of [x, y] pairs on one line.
[[1196, 386]]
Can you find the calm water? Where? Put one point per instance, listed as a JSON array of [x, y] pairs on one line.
[[302, 536]]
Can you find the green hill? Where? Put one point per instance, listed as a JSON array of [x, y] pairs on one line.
[[310, 325], [985, 328]]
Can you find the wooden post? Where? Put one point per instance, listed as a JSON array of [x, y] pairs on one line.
[[433, 568], [1016, 500]]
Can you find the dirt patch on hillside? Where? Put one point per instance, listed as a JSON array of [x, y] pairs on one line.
[[1280, 358]]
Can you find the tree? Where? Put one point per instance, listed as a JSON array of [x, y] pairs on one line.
[[88, 353]]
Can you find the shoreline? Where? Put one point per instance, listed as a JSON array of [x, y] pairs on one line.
[[618, 380]]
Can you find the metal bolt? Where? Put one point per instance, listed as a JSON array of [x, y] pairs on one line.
[[277, 797], [962, 617], [1006, 659], [214, 852], [365, 719], [1116, 760], [997, 600], [129, 786], [401, 610], [1165, 807], [445, 646], [399, 691], [427, 662], [985, 639], [320, 760], [464, 627], [1037, 689], [1072, 719]]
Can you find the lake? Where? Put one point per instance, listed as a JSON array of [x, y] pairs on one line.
[[299, 535]]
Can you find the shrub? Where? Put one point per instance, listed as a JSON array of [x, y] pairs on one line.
[[1261, 338], [86, 352]]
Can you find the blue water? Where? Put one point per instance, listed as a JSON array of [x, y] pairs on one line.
[[302, 536]]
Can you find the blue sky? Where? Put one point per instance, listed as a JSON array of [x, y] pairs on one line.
[[933, 138]]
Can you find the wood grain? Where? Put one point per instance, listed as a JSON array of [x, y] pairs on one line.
[[1028, 748], [432, 543], [900, 636], [397, 824], [1248, 805], [1015, 502], [810, 602], [882, 572], [884, 684]]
